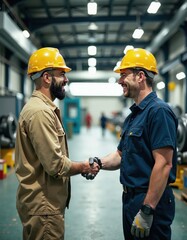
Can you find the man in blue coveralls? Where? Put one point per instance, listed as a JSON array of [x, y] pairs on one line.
[[146, 154]]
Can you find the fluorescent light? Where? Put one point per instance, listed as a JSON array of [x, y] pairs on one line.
[[92, 26], [26, 33], [153, 7], [117, 65], [92, 70], [180, 75], [92, 62], [92, 8], [92, 50], [128, 47], [112, 80], [138, 33], [160, 85], [95, 89]]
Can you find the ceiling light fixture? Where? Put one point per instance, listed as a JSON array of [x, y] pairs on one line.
[[112, 80], [117, 65], [92, 50], [138, 33], [26, 33], [92, 27], [92, 70], [127, 48], [95, 89], [153, 7], [92, 8], [92, 62], [180, 75], [160, 85]]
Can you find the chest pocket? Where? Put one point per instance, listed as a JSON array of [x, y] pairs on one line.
[[135, 140]]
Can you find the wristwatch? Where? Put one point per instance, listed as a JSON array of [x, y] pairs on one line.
[[146, 209]]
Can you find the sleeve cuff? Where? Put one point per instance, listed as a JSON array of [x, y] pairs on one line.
[[66, 165]]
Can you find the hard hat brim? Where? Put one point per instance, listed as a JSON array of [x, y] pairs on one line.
[[66, 69], [117, 70]]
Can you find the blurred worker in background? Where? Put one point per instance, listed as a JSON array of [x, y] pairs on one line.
[[147, 152], [88, 120], [103, 123], [41, 154]]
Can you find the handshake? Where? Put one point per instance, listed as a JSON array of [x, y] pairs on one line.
[[90, 176]]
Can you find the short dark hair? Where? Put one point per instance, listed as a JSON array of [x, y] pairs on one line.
[[149, 75]]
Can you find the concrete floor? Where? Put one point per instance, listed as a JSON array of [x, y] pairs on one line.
[[95, 208]]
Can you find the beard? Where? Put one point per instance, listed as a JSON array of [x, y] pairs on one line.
[[57, 90]]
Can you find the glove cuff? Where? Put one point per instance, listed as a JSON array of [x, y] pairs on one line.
[[98, 161]]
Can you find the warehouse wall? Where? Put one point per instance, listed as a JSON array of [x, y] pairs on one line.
[[176, 46], [14, 83], [97, 105], [2, 70], [28, 88], [2, 78]]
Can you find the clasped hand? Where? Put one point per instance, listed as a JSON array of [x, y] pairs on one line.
[[94, 166]]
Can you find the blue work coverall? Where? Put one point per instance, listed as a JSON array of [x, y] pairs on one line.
[[151, 125]]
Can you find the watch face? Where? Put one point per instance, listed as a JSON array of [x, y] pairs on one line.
[[146, 209]]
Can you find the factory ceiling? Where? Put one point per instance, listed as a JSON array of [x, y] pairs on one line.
[[65, 24]]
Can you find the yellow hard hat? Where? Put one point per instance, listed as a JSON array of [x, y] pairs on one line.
[[45, 58], [138, 58]]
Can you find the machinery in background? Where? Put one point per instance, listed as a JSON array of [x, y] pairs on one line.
[[115, 123], [11, 104], [181, 151], [72, 115], [182, 136], [8, 125]]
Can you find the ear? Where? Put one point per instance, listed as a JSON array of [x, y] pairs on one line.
[[46, 78], [142, 77]]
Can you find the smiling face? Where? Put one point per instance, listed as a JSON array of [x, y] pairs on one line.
[[129, 83], [59, 81]]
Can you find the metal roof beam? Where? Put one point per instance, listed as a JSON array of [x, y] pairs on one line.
[[98, 57], [105, 44], [38, 23]]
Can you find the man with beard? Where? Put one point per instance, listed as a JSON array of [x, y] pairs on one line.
[[42, 165], [147, 152]]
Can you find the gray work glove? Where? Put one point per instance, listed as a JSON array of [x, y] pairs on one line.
[[141, 225]]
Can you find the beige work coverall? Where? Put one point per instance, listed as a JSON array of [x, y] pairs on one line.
[[41, 163]]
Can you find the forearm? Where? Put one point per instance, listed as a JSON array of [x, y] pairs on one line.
[[111, 161], [76, 168], [82, 167], [157, 184]]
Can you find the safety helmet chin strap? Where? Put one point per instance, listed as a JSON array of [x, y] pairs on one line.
[[148, 73], [36, 75]]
